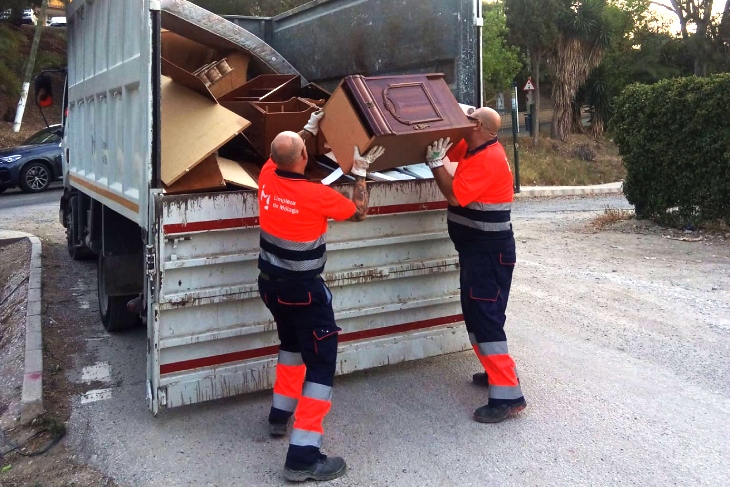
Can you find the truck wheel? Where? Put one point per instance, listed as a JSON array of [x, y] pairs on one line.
[[76, 252], [34, 178], [113, 309]]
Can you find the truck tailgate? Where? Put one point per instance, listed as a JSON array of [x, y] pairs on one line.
[[394, 278]]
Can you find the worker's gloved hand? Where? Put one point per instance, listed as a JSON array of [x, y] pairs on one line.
[[361, 163], [436, 152], [312, 125]]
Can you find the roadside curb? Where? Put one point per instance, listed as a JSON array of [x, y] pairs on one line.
[[542, 191], [32, 395]]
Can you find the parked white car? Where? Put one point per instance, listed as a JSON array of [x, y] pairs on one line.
[[57, 22], [29, 16]]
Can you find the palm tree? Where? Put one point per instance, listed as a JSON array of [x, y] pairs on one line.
[[584, 34]]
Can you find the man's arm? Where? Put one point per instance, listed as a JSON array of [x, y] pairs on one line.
[[445, 182], [435, 155], [306, 135], [361, 198]]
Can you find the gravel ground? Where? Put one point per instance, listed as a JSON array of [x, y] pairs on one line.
[[621, 336], [14, 269]]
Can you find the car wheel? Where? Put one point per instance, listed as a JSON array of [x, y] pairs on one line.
[[113, 309], [3, 188], [34, 178]]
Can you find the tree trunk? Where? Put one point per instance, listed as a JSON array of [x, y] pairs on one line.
[[554, 133], [29, 68]]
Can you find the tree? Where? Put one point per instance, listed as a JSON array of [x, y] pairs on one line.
[[500, 62], [584, 32], [695, 15], [532, 25]]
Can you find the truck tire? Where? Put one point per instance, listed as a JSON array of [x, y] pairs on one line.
[[35, 177], [76, 252], [113, 309]]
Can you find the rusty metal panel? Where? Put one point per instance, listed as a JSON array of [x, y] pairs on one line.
[[379, 37], [394, 279]]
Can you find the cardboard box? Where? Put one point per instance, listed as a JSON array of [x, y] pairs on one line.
[[205, 176], [245, 175], [193, 128], [403, 114], [268, 119]]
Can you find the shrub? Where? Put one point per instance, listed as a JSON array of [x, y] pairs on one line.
[[674, 137]]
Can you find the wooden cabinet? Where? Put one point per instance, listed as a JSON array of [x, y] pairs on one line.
[[404, 114]]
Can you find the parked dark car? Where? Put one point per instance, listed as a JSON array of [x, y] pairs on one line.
[[33, 165]]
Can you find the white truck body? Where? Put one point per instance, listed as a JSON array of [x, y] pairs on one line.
[[394, 276]]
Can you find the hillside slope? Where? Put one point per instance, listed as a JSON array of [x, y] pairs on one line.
[[15, 44]]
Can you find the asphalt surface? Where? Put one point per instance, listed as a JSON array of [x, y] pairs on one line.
[[622, 342], [13, 199]]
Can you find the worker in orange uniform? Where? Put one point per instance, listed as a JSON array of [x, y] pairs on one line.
[[480, 195], [293, 215]]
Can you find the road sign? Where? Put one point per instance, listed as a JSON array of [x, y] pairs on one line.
[[529, 86]]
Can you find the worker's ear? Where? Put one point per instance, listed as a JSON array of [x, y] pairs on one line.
[[43, 86]]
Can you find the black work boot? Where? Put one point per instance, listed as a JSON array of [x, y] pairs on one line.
[[500, 412], [277, 430], [480, 379], [324, 469]]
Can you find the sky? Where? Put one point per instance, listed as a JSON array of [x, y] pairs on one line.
[[717, 8]]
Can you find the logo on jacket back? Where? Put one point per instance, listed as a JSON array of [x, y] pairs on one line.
[[265, 197]]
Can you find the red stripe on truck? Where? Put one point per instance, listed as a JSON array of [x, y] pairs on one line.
[[227, 358], [414, 207], [204, 226], [175, 228]]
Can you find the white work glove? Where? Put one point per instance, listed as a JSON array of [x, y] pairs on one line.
[[436, 152], [312, 125], [361, 163]]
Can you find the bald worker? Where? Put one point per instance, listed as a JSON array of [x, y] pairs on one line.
[[480, 195], [293, 214]]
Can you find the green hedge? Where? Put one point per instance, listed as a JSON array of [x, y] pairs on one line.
[[674, 137]]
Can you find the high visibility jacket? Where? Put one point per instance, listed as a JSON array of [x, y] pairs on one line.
[[293, 215], [483, 188]]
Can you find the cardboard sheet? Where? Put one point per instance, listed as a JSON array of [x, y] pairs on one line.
[[235, 173], [193, 128], [206, 176], [184, 52]]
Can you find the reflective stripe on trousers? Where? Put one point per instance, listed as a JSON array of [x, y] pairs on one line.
[[290, 370], [314, 404], [500, 368]]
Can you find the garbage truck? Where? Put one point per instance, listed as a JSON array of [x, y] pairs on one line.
[[185, 265]]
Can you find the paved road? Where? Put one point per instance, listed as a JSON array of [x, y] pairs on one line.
[[13, 199], [623, 347]]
